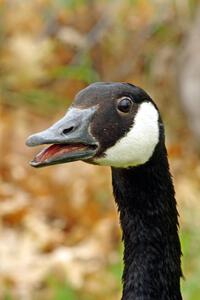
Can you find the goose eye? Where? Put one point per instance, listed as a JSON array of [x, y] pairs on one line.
[[124, 105]]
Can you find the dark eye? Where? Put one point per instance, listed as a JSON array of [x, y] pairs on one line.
[[124, 105]]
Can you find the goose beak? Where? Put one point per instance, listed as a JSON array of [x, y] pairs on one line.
[[70, 139]]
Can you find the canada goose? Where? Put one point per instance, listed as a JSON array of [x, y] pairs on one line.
[[118, 125]]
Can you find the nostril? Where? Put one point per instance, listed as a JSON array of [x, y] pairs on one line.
[[67, 130]]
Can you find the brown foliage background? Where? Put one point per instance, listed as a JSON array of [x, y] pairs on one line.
[[59, 232]]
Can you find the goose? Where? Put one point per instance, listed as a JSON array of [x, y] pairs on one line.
[[118, 125]]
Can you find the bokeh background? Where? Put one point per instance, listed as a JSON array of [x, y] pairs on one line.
[[59, 232]]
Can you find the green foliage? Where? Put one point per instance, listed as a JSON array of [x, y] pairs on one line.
[[191, 264], [80, 72], [41, 97], [192, 5], [41, 100], [72, 3], [83, 72], [117, 268], [7, 296], [61, 290]]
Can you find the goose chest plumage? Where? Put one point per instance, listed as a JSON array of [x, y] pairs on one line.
[[119, 125]]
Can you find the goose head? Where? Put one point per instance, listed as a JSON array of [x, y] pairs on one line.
[[112, 124]]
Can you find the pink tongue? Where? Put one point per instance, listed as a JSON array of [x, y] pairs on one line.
[[57, 150]]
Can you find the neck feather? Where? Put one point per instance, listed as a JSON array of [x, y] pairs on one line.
[[148, 216]]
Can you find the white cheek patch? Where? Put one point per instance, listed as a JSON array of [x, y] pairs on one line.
[[137, 146]]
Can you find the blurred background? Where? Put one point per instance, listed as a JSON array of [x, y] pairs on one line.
[[59, 231]]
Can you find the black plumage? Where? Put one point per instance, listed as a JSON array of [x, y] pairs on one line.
[[148, 216]]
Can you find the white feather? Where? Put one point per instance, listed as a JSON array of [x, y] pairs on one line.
[[137, 146]]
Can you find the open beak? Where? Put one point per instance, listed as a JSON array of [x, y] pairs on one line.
[[70, 139]]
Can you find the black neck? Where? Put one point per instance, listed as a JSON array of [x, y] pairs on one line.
[[148, 215]]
